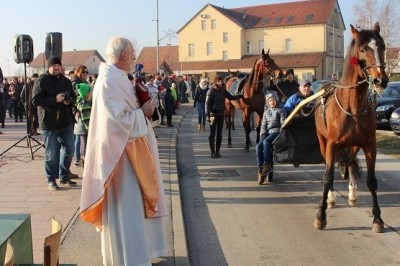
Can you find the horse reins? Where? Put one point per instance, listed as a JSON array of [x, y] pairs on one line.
[[369, 80]]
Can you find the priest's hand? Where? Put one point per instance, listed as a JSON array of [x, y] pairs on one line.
[[148, 108]]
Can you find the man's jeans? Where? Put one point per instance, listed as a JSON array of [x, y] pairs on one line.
[[264, 149], [59, 145]]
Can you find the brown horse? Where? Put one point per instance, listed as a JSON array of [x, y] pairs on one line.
[[345, 119], [253, 96], [230, 116]]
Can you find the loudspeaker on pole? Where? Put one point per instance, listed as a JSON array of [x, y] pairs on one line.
[[53, 46], [23, 49]]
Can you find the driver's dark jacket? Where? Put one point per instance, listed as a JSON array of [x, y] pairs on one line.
[[215, 101], [53, 115]]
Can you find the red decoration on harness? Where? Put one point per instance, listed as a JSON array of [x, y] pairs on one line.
[[354, 61]]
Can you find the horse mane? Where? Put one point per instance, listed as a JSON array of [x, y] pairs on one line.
[[252, 74], [348, 68]]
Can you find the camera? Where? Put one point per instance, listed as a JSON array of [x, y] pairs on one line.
[[67, 97]]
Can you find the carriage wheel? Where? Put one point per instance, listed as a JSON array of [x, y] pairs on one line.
[[343, 171]]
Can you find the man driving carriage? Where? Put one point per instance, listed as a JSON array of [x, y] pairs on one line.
[[303, 92]]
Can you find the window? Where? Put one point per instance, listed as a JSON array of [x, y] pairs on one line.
[[265, 20], [213, 24], [338, 45], [289, 19], [248, 47], [288, 44], [331, 42], [209, 48], [191, 49], [225, 37], [278, 20], [225, 55], [203, 24], [260, 45], [309, 17]]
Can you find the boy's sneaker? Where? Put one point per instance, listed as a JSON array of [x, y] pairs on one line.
[[68, 183], [53, 186]]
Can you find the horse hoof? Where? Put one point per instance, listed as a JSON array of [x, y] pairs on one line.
[[229, 145], [331, 204], [352, 202], [246, 149], [378, 228], [320, 225]]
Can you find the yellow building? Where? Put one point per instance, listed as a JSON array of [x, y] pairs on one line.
[[304, 35]]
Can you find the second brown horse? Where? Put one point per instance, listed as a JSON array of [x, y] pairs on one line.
[[253, 96]]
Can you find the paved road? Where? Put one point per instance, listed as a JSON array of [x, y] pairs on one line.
[[229, 219]]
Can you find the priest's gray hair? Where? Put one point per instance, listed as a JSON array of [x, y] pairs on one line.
[[115, 47]]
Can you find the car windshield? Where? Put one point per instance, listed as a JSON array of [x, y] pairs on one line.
[[392, 90], [316, 85]]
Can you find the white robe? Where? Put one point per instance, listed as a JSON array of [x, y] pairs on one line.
[[115, 205]]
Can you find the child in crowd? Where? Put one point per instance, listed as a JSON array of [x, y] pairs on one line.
[[273, 117]]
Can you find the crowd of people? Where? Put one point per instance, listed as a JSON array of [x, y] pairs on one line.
[[80, 116]]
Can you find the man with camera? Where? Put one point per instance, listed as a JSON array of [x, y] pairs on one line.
[[54, 97]]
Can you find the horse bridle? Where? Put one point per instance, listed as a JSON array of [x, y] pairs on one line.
[[270, 71]]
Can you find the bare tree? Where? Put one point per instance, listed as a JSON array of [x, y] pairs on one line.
[[367, 12], [389, 18]]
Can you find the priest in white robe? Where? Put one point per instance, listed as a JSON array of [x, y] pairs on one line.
[[122, 188]]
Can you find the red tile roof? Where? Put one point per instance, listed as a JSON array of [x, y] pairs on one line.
[[393, 53], [309, 60], [169, 57], [278, 15], [69, 58]]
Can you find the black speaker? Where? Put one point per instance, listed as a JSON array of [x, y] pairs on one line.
[[23, 49], [53, 46]]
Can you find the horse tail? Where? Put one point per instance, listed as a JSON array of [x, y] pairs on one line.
[[348, 158]]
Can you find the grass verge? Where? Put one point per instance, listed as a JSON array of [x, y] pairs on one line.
[[388, 144]]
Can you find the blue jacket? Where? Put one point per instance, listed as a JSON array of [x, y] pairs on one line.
[[272, 120], [294, 100]]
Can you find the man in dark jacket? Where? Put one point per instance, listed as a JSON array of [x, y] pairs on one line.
[[215, 109], [287, 87], [54, 97]]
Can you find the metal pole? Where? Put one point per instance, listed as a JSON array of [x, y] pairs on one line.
[[158, 44], [334, 50]]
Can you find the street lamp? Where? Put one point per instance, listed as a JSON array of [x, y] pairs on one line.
[[158, 42]]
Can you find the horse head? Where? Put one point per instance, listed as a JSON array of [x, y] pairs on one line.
[[269, 66], [233, 73], [367, 55]]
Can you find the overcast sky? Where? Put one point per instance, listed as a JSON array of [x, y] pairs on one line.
[[89, 24]]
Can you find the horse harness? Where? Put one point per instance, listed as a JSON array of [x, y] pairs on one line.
[[332, 91]]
